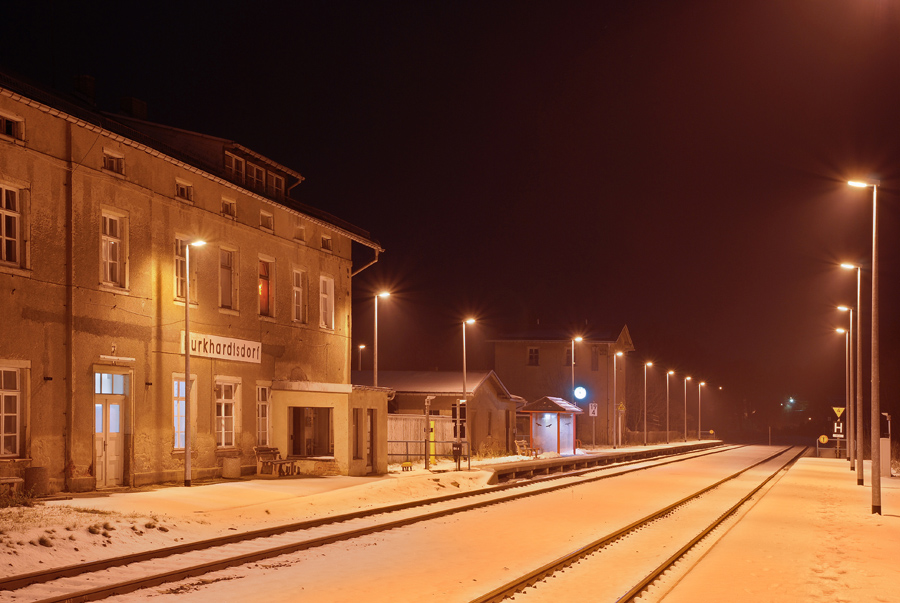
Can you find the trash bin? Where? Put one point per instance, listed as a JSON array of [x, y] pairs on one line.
[[37, 481], [231, 467]]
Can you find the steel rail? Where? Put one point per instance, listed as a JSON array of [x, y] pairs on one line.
[[16, 582], [516, 585]]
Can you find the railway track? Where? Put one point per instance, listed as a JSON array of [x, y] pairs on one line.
[[638, 556], [100, 579]]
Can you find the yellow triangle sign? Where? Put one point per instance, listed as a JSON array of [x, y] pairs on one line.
[[838, 410]]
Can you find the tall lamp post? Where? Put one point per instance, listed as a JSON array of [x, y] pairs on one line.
[[668, 374], [851, 423], [686, 379], [382, 295], [468, 321], [699, 387], [573, 365], [847, 373], [615, 400], [187, 359], [362, 346], [860, 437], [876, 376], [646, 364]]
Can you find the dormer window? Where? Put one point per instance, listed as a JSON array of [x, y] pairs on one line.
[[256, 177], [12, 127], [229, 208], [275, 185], [326, 243], [266, 221], [234, 168]]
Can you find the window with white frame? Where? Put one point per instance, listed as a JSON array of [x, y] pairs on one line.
[[326, 302], [266, 288], [226, 393], [298, 299], [113, 162], [266, 220], [181, 246], [10, 410], [326, 243], [299, 231], [262, 416], [229, 208], [234, 168], [228, 279], [275, 185], [256, 177], [534, 357], [10, 226], [12, 127], [178, 407], [114, 236], [184, 190]]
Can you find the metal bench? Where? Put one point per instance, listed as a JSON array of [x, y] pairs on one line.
[[11, 484]]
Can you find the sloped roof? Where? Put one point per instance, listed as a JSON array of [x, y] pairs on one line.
[[429, 382], [550, 404], [556, 334]]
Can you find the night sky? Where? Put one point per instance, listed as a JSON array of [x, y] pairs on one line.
[[679, 166]]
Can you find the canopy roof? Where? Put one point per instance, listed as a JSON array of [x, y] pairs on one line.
[[550, 404]]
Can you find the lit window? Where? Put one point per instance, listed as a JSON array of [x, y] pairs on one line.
[[229, 208], [262, 416], [256, 177], [113, 162], [180, 265], [275, 185], [225, 396], [534, 357], [326, 243], [10, 226], [12, 127], [298, 305], [266, 288], [266, 221], [110, 383], [227, 279], [178, 401], [113, 240], [234, 168], [10, 411], [184, 191], [326, 302]]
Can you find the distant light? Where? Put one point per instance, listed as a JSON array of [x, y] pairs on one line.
[[857, 184], [362, 346], [847, 266], [671, 372], [687, 378], [703, 383], [580, 393], [470, 321], [579, 338], [197, 243], [843, 308], [384, 294], [619, 354], [649, 364], [840, 330]]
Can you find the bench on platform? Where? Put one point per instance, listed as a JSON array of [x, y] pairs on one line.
[[11, 484], [523, 449], [269, 462]]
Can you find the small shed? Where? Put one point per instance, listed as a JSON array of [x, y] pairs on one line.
[[552, 424]]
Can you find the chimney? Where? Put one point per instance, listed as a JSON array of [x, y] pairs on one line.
[[134, 107], [85, 88]]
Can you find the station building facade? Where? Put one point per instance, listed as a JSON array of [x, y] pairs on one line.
[[98, 212]]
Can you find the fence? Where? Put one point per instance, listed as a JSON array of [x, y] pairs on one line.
[[406, 437]]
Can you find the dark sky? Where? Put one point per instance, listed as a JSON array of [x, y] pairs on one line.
[[678, 167]]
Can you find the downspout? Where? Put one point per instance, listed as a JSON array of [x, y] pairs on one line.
[[373, 262], [69, 468]]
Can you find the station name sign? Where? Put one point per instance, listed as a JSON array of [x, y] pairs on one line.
[[225, 348]]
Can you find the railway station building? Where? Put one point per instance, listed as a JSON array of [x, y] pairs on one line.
[[98, 215]]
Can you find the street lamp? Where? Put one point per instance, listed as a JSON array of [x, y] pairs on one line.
[[362, 346], [668, 374], [615, 401], [876, 377], [860, 437], [699, 387], [573, 365], [645, 400], [383, 294], [686, 379], [468, 321], [851, 448], [846, 335], [187, 359]]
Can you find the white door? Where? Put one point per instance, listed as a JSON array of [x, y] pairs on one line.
[[109, 445]]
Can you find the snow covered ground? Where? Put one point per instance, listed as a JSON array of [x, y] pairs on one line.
[[812, 538]]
